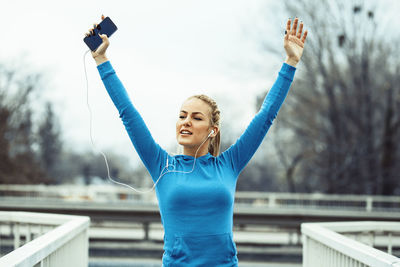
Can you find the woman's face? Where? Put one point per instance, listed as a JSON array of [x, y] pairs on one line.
[[193, 125]]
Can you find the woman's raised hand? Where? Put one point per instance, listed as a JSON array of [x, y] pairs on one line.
[[100, 54], [294, 42]]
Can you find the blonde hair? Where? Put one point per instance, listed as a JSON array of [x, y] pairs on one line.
[[214, 145]]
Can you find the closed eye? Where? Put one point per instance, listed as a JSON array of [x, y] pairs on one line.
[[196, 118]]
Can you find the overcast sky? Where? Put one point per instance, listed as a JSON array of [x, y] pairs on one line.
[[163, 51]]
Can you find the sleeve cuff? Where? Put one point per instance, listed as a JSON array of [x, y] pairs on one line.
[[287, 71], [105, 69]]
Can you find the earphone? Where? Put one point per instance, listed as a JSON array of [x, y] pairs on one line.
[[105, 158]]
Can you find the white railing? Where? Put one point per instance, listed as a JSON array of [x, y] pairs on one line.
[[46, 239], [331, 245], [367, 203], [111, 193], [99, 193]]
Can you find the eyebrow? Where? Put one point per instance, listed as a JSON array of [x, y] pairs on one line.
[[197, 112]]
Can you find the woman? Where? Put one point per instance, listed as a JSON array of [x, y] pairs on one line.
[[196, 192]]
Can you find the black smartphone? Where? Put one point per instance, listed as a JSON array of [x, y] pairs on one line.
[[106, 27]]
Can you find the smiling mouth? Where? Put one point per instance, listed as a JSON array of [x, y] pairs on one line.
[[185, 132]]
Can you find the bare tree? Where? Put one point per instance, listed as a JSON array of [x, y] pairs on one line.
[[18, 160], [31, 151], [343, 111], [50, 144]]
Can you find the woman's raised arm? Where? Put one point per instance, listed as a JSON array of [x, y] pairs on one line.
[[100, 54], [239, 154], [152, 155], [294, 42]]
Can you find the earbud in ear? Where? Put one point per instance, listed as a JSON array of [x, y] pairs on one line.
[[212, 132]]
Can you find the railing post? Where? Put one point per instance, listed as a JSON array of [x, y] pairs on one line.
[[28, 237], [17, 237], [368, 204], [372, 238], [146, 226], [294, 237], [272, 201]]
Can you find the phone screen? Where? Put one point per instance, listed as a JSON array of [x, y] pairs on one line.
[[106, 27]]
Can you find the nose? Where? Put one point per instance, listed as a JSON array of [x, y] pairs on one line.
[[187, 121]]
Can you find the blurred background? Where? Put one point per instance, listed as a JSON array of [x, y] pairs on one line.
[[336, 134]]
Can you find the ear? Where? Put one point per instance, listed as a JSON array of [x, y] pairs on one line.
[[215, 129]]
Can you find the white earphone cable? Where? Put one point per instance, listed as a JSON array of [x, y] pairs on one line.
[[104, 156]]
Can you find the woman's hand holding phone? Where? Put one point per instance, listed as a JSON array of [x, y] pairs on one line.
[[99, 54]]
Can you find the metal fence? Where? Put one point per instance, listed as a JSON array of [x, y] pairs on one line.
[[348, 244], [41, 239], [110, 193], [320, 201]]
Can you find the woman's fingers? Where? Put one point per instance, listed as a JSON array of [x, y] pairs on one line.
[[300, 30], [304, 37], [105, 40], [104, 37], [287, 32], [91, 30], [296, 20], [95, 25], [288, 25], [101, 50], [293, 30]]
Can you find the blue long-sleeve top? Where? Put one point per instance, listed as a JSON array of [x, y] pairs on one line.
[[197, 208]]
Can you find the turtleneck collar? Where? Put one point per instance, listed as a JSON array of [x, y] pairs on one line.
[[202, 158]]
